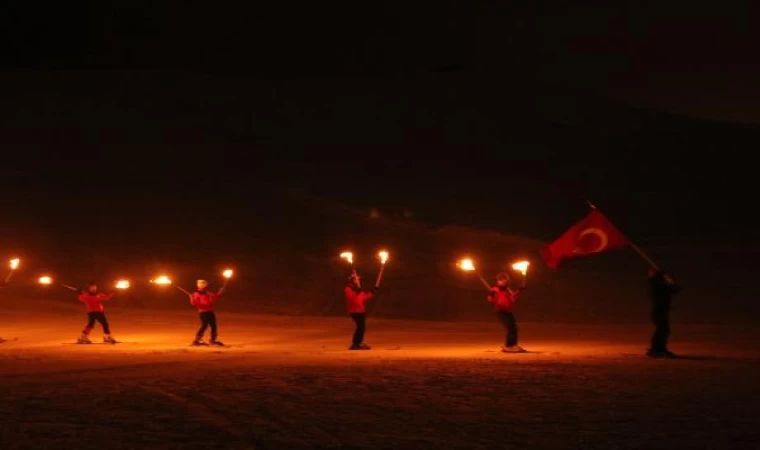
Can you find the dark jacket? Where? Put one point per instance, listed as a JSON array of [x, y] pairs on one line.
[[661, 291]]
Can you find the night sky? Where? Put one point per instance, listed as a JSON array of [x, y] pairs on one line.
[[495, 115]]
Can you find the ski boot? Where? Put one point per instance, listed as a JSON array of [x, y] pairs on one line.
[[84, 339], [661, 354], [355, 347], [513, 349], [198, 342], [365, 346], [108, 339], [216, 343]]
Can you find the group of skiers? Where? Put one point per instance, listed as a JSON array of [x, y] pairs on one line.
[[202, 298], [502, 295]]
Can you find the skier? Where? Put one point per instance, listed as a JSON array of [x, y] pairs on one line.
[[355, 303], [661, 288], [93, 300], [503, 298], [204, 300]]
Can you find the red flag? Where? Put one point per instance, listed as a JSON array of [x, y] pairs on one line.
[[593, 234]]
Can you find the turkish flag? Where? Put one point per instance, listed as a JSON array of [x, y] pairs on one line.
[[593, 234]]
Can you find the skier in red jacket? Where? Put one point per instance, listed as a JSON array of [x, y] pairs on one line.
[[355, 303], [503, 298], [204, 300], [93, 301]]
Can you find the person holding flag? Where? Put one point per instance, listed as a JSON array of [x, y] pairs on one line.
[[595, 234], [661, 288], [503, 297]]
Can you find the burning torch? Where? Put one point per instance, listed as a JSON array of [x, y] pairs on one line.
[[383, 255], [47, 280], [122, 285], [522, 267], [349, 257], [227, 274], [164, 280], [14, 263], [468, 266]]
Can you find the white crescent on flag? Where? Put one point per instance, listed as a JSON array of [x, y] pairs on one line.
[[601, 245]]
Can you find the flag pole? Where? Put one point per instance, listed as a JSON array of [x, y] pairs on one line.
[[633, 246]]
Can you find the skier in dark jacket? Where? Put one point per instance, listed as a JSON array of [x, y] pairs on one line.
[[661, 289]]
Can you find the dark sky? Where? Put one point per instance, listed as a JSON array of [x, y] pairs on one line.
[[504, 115]]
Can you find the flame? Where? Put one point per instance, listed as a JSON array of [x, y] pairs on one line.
[[162, 280], [348, 256], [521, 266], [383, 255], [122, 284], [466, 264], [45, 280], [227, 273], [15, 263]]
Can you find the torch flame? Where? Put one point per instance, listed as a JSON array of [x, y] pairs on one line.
[[45, 280], [162, 280], [466, 264], [383, 255], [14, 263], [521, 266], [348, 256], [122, 284], [227, 273]]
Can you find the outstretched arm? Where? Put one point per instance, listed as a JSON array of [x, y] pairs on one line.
[[72, 288]]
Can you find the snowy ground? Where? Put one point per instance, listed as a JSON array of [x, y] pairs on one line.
[[287, 382]]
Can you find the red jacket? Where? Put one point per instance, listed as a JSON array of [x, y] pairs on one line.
[[356, 299], [94, 302], [504, 300], [205, 300]]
